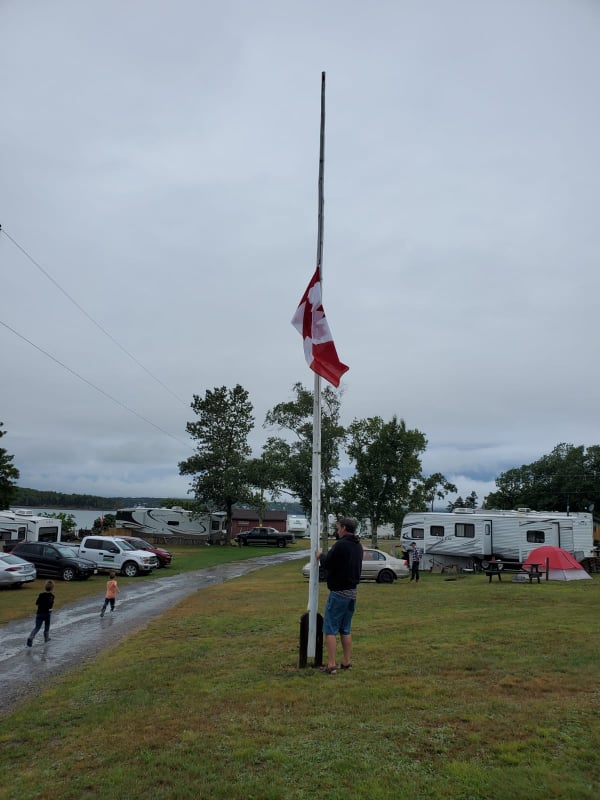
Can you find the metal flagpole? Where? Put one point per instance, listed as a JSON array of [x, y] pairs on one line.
[[315, 517]]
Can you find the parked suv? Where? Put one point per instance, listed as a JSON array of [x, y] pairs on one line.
[[163, 556], [55, 560], [265, 536]]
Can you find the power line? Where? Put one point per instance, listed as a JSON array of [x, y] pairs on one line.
[[91, 319], [93, 385]]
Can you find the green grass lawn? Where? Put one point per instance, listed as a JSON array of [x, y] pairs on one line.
[[460, 689], [19, 603]]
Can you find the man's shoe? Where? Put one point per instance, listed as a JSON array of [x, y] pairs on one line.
[[29, 642]]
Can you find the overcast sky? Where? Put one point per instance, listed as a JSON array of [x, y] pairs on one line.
[[159, 164]]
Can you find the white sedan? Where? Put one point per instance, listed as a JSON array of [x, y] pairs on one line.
[[15, 571], [377, 566]]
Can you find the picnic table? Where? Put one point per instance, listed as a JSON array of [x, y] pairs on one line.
[[496, 568]]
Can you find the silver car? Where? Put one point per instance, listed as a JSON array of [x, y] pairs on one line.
[[15, 571], [377, 566]]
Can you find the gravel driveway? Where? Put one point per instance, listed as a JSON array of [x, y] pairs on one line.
[[78, 632]]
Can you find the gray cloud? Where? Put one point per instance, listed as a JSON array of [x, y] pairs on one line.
[[161, 165]]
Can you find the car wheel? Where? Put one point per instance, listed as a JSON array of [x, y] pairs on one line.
[[281, 543], [245, 542], [16, 585], [68, 574], [385, 576], [130, 569]]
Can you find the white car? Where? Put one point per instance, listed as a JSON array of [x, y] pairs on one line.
[[15, 571], [377, 566]]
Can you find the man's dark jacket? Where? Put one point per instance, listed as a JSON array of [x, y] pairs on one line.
[[343, 564]]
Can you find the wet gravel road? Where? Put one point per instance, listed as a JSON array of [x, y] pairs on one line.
[[78, 633]]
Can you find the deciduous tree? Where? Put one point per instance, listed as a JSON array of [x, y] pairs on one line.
[[9, 474], [387, 462], [221, 433], [424, 492], [564, 480], [295, 457]]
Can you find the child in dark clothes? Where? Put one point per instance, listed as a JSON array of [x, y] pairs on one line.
[[44, 605]]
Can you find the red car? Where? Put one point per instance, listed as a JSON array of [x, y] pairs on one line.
[[164, 556]]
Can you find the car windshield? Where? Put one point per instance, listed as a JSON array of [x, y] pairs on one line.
[[139, 544], [126, 545]]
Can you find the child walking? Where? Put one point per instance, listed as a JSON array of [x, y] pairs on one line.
[[44, 605], [111, 593]]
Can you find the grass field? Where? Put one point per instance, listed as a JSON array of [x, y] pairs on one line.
[[460, 689]]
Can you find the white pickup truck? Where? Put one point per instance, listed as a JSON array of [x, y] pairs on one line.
[[110, 552]]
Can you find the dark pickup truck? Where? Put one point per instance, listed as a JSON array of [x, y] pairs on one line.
[[265, 536]]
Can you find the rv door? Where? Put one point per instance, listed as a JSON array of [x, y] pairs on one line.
[[488, 539]]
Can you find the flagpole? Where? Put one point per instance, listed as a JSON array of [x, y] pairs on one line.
[[315, 517]]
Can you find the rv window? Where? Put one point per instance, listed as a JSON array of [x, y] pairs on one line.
[[174, 522], [465, 530], [215, 525], [537, 537], [417, 533], [436, 530]]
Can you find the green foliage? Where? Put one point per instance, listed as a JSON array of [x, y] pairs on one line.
[[387, 460], [221, 433], [567, 479], [37, 498], [470, 502], [173, 502], [295, 458], [425, 491], [264, 476], [68, 521], [104, 523], [8, 475]]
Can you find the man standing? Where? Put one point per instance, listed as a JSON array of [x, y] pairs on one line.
[[414, 561], [343, 564]]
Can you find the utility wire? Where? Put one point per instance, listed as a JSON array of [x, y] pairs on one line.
[[93, 385], [91, 319]]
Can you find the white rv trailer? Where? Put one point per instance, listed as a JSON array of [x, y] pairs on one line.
[[172, 522], [297, 525], [24, 526], [469, 537]]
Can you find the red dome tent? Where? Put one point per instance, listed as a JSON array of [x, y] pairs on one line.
[[562, 566]]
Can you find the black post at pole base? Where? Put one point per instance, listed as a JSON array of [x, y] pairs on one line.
[[303, 659]]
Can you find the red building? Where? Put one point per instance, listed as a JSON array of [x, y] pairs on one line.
[[242, 519]]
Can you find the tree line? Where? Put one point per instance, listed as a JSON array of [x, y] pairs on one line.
[[37, 498], [385, 456]]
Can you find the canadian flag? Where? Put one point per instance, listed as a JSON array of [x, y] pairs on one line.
[[310, 321]]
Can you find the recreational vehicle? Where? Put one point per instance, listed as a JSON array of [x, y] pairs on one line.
[[469, 538], [172, 522], [24, 526], [297, 525]]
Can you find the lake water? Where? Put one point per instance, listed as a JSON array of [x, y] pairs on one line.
[[83, 518]]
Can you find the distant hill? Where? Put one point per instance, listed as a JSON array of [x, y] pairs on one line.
[[35, 498]]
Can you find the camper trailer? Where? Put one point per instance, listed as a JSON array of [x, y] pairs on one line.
[[24, 526], [470, 537], [297, 525], [172, 522]]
